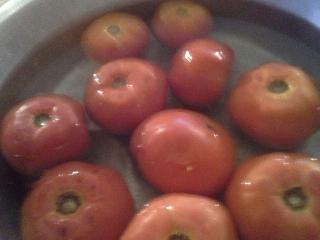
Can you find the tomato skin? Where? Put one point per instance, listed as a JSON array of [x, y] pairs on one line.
[[105, 210], [120, 109], [200, 70], [103, 44], [255, 197], [180, 150], [179, 21], [173, 214], [30, 148], [279, 120]]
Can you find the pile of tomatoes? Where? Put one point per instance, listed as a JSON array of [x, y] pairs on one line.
[[187, 155]]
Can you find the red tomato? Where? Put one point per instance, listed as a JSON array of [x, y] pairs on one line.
[[124, 92], [115, 35], [200, 70], [276, 196], [183, 151], [43, 131], [179, 21], [181, 217], [276, 104], [77, 201]]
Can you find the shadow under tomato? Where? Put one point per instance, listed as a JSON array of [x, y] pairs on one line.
[[12, 192]]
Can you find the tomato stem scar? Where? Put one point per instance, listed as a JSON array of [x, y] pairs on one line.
[[42, 119], [113, 29], [295, 198], [118, 82], [68, 203], [278, 86], [178, 236], [182, 12], [210, 127]]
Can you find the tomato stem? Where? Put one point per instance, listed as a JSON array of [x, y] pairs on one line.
[[295, 198], [68, 203], [178, 236], [42, 119]]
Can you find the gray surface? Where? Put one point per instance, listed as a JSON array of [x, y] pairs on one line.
[[40, 52]]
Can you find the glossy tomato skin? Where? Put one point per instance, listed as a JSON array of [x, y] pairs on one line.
[[60, 134], [124, 92], [180, 150], [105, 205], [179, 21], [281, 119], [193, 216], [200, 70], [115, 35], [255, 197]]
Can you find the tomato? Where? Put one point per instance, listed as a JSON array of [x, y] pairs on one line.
[[183, 151], [276, 196], [115, 35], [77, 200], [179, 21], [181, 217], [276, 104], [124, 92], [199, 71], [43, 131]]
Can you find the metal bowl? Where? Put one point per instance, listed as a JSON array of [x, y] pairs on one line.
[[40, 52]]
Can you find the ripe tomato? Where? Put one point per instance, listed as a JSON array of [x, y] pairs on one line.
[[276, 196], [43, 131], [124, 92], [183, 151], [79, 201], [200, 70], [276, 104], [115, 35], [179, 21], [181, 217]]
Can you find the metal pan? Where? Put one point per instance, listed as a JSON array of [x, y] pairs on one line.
[[40, 52]]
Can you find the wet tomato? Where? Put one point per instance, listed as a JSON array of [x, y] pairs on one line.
[[179, 21], [276, 196], [77, 200], [181, 217], [200, 70], [276, 104], [115, 35], [43, 131], [124, 92], [183, 151]]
